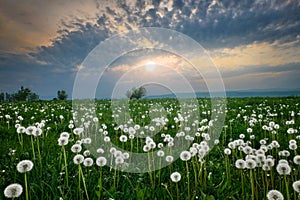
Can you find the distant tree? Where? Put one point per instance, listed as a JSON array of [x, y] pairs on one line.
[[62, 95], [136, 93], [2, 96], [24, 94], [33, 97]]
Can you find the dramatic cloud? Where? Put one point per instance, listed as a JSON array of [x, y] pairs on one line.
[[44, 42]]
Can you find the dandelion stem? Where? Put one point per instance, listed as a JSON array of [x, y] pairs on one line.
[[252, 184], [66, 167], [83, 180], [26, 186], [32, 148], [188, 179], [286, 187]]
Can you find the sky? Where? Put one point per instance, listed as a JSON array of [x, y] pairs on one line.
[[254, 44]]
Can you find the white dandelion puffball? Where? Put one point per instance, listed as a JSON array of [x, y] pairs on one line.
[[13, 190], [185, 155], [78, 159], [76, 148], [296, 186], [250, 164], [24, 166], [283, 169], [88, 162], [62, 141], [101, 161], [175, 177], [227, 151], [240, 164], [274, 195], [297, 159], [169, 159]]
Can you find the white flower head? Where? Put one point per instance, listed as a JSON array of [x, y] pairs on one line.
[[13, 190], [296, 186], [274, 195], [101, 161], [24, 166], [175, 177]]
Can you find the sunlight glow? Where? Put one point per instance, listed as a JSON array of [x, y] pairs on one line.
[[150, 66]]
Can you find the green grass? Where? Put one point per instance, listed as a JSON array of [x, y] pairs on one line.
[[208, 179]]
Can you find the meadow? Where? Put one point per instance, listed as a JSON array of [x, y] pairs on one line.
[[53, 152]]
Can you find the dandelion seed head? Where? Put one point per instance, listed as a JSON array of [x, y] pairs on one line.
[[250, 164], [274, 195], [169, 159], [175, 177], [78, 159], [227, 151], [88, 162], [13, 190], [62, 141], [296, 186], [101, 161], [185, 155], [240, 164], [76, 148], [160, 153], [283, 169], [24, 166]]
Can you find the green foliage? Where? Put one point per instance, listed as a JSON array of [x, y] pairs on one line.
[[62, 95], [136, 93], [47, 179]]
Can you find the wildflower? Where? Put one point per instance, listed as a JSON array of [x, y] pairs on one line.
[[87, 141], [100, 150], [125, 155], [24, 166], [266, 167], [227, 151], [13, 190], [106, 139], [270, 162], [119, 160], [249, 130], [65, 135], [123, 138], [169, 159], [240, 164], [297, 159], [175, 177], [160, 153], [30, 130], [283, 169], [292, 146], [296, 186], [185, 155], [86, 153], [274, 195], [146, 148], [62, 141], [37, 132], [88, 162], [21, 129], [250, 164], [101, 161], [76, 148], [78, 159], [78, 131]]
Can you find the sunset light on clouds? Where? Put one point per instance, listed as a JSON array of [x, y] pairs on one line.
[[254, 44]]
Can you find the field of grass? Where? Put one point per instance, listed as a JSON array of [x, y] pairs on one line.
[[74, 157]]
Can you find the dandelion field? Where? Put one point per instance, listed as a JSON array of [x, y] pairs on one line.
[[54, 153]]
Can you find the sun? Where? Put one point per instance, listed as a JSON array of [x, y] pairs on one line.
[[150, 66]]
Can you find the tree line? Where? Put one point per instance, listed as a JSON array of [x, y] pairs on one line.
[[25, 94]]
